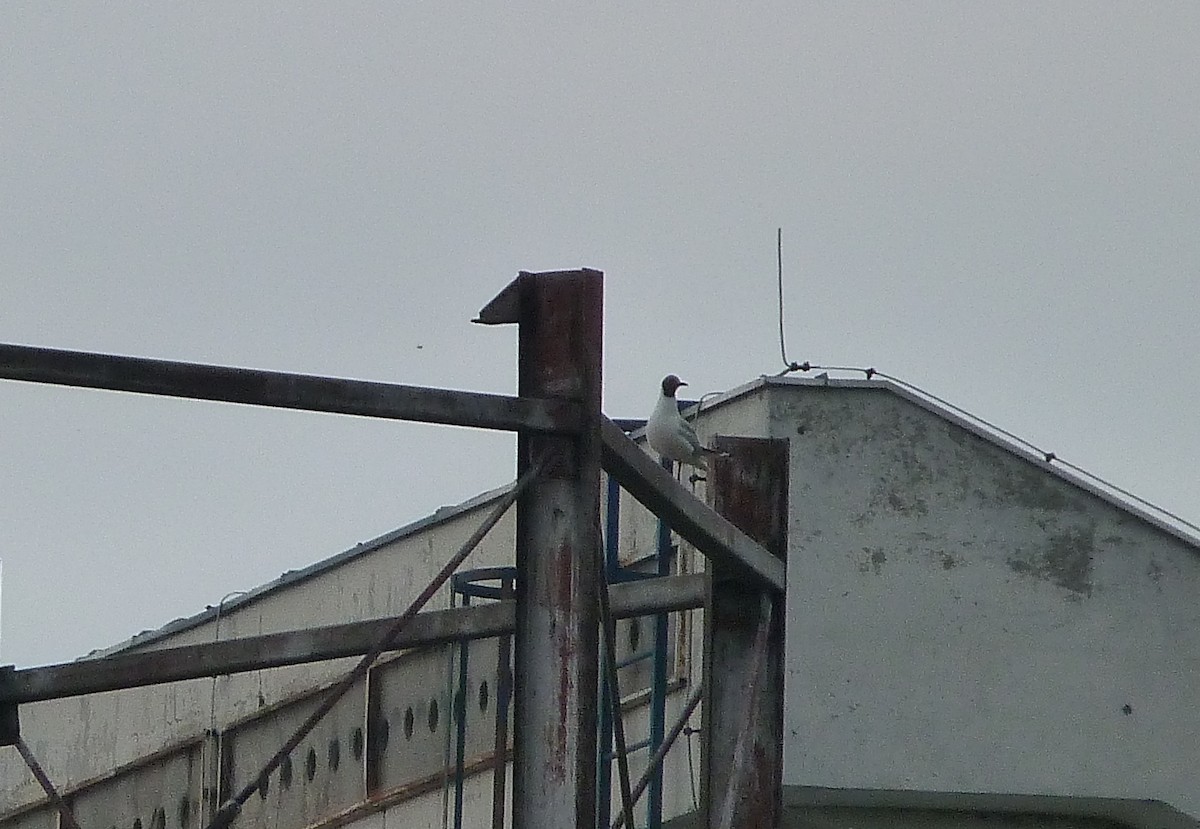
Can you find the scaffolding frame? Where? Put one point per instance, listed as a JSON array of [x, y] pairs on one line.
[[555, 615]]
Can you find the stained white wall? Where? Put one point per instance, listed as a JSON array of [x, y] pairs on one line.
[[80, 738], [959, 619]]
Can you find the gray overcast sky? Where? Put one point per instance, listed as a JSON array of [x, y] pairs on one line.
[[998, 202]]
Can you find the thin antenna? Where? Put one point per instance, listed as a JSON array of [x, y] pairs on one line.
[[788, 366], [779, 261]]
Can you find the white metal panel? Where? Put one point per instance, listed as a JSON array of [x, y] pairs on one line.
[[164, 793], [85, 737], [413, 730], [321, 777]]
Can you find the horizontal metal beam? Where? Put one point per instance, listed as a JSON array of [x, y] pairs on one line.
[[686, 514], [286, 391], [273, 650], [658, 594]]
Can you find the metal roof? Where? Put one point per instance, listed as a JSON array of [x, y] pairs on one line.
[[292, 577]]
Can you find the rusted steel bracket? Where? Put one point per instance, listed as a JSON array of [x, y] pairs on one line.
[[743, 712]]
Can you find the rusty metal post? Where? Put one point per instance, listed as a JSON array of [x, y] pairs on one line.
[[556, 638], [742, 784]]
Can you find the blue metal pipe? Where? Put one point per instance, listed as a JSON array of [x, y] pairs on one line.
[[459, 706], [604, 737], [658, 682]]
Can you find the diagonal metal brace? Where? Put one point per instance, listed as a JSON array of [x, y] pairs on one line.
[[714, 536]]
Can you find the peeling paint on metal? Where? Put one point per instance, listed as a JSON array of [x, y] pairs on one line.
[[562, 632]]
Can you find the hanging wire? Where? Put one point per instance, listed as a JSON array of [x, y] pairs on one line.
[[209, 743], [1047, 457], [688, 731], [231, 808]]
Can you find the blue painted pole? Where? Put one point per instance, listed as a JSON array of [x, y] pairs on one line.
[[612, 523], [658, 692], [459, 706]]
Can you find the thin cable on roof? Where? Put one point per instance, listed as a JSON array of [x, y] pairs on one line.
[[1049, 458], [1126, 493]]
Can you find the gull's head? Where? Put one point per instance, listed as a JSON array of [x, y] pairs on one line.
[[670, 383]]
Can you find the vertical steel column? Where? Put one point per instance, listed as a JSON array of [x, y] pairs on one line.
[[750, 488], [558, 521]]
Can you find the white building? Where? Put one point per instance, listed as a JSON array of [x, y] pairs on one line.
[[962, 616]]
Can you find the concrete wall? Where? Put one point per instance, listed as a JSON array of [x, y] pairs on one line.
[[960, 619]]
